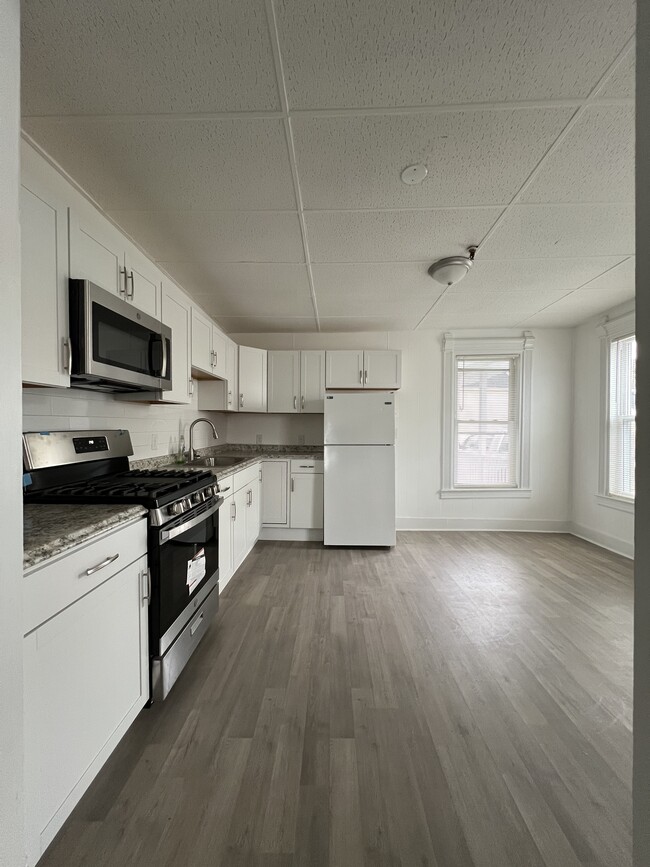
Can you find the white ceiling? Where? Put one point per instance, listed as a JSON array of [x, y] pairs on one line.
[[254, 149]]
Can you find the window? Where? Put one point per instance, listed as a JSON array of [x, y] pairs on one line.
[[486, 423], [486, 416], [621, 422]]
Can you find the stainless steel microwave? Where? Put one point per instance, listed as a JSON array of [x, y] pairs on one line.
[[113, 345]]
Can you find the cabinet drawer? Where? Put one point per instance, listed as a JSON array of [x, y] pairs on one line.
[[307, 465], [226, 485], [246, 477], [55, 586]]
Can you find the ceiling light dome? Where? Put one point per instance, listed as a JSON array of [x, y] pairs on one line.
[[452, 269]]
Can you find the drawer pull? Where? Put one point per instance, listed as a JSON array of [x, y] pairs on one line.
[[101, 565], [223, 490], [307, 466], [196, 624]]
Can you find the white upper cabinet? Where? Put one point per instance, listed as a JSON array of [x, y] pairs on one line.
[[344, 368], [44, 287], [201, 341], [296, 381], [232, 377], [312, 380], [219, 360], [382, 368], [252, 379], [373, 368], [284, 381], [177, 314], [99, 252]]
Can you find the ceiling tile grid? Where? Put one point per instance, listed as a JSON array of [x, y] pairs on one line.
[[254, 149]]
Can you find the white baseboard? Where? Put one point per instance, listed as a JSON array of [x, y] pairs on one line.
[[503, 525], [286, 534], [603, 540]]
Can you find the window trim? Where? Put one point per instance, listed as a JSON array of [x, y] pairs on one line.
[[610, 331], [452, 347]]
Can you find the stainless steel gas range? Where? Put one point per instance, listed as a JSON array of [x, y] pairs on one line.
[[183, 535]]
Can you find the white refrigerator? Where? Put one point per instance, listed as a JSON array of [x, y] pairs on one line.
[[359, 479]]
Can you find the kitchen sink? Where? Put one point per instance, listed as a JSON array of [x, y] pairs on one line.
[[221, 461]]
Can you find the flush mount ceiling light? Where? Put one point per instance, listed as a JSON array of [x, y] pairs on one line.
[[452, 269]]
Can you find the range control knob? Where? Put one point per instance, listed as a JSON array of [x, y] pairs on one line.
[[176, 508], [197, 497]]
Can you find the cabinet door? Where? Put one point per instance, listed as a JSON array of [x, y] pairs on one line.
[[274, 492], [219, 363], [306, 501], [382, 368], [252, 379], [232, 377], [143, 281], [201, 341], [240, 502], [177, 313], [312, 380], [44, 290], [344, 368], [226, 521], [253, 514], [85, 670], [97, 251], [284, 381]]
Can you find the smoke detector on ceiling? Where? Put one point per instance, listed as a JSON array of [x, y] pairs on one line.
[[452, 269], [414, 174]]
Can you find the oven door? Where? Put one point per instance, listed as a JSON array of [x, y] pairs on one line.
[[114, 342], [184, 561]]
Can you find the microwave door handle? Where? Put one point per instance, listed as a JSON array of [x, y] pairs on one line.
[[165, 359], [156, 369]]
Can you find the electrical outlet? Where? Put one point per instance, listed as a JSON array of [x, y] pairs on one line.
[[154, 440], [301, 439], [258, 439]]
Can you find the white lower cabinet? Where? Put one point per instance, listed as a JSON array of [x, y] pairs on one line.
[[239, 535], [306, 501], [226, 515], [275, 503], [292, 497], [239, 520], [86, 676]]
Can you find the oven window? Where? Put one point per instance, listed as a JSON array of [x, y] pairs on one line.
[[119, 341], [186, 563]]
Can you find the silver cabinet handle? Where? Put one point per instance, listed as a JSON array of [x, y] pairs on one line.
[[365, 377], [233, 511], [216, 358], [307, 466], [292, 484], [223, 490], [67, 366], [361, 377], [241, 399], [191, 387], [230, 398], [146, 596], [131, 295], [122, 291], [260, 475], [101, 565], [295, 402], [302, 402]]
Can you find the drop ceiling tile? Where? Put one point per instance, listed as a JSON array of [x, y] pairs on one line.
[[269, 324], [85, 57], [386, 289], [245, 288], [224, 236], [557, 231], [395, 236], [351, 53], [152, 164], [533, 274], [369, 323], [594, 163], [623, 276], [489, 309], [473, 157], [621, 84], [578, 307]]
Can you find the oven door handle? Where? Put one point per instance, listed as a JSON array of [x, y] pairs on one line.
[[167, 535]]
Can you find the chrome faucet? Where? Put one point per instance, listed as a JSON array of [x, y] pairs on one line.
[[191, 453]]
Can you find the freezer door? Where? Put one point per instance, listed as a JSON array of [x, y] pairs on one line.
[[359, 495], [360, 419]]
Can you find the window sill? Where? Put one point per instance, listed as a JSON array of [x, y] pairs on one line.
[[617, 503], [484, 493]]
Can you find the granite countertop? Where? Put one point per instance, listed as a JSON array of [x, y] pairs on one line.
[[50, 530], [251, 454]]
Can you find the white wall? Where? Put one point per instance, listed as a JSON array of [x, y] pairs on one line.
[[11, 529], [419, 409], [606, 525], [154, 428], [276, 428]]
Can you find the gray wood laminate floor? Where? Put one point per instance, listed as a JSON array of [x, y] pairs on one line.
[[461, 701]]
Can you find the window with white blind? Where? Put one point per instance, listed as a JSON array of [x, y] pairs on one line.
[[486, 416], [486, 430], [621, 422]]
